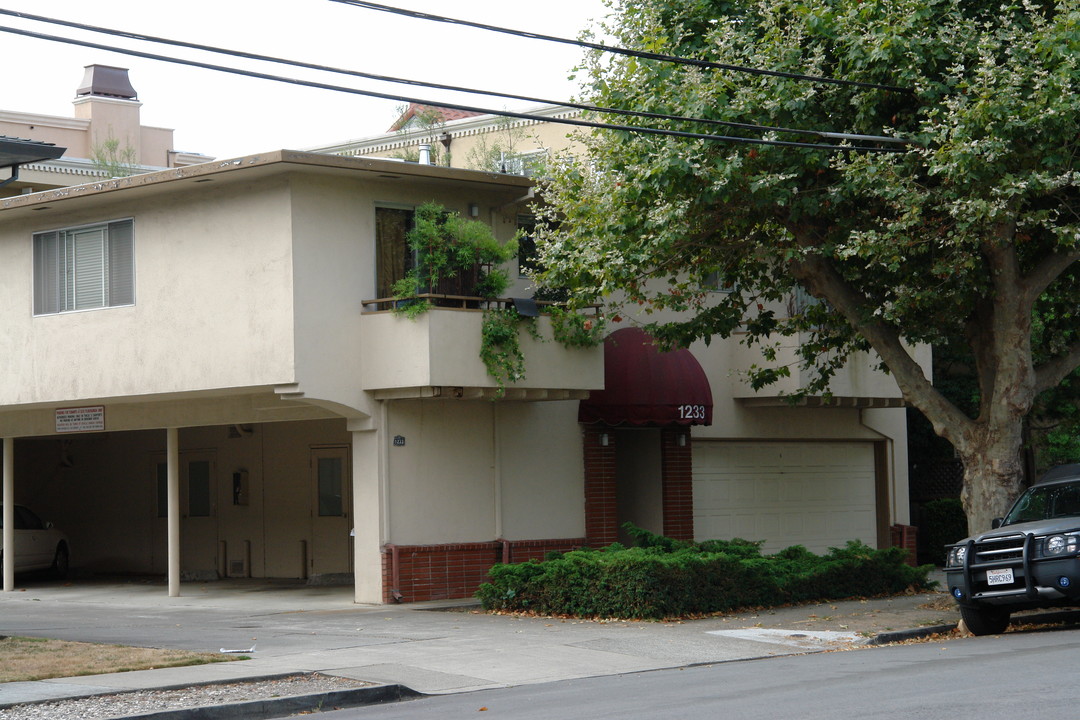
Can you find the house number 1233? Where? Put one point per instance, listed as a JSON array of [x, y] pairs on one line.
[[691, 412]]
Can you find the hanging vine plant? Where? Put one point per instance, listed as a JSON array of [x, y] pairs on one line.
[[500, 347], [454, 256]]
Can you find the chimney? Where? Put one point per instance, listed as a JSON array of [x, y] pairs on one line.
[[425, 154], [106, 81]]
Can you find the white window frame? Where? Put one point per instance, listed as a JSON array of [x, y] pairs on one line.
[[85, 267]]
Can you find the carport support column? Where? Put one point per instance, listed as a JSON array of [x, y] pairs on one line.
[[9, 512], [369, 498], [172, 459]]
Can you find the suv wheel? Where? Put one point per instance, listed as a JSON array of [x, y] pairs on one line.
[[985, 621]]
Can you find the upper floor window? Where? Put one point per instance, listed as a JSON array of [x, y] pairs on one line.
[[81, 268], [393, 256]]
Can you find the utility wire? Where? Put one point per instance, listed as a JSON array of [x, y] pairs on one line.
[[453, 106], [438, 86], [618, 50]]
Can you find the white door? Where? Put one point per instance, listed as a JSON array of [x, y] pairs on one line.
[[331, 477], [199, 523], [816, 494]]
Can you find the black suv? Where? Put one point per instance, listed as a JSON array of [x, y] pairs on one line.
[[1029, 560]]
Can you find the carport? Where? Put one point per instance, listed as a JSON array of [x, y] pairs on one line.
[[185, 492]]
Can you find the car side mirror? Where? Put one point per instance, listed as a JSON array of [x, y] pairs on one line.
[[996, 523]]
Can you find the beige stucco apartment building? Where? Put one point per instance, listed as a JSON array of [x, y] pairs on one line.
[[196, 384], [512, 145]]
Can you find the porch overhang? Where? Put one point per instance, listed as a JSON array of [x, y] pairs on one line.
[[646, 387]]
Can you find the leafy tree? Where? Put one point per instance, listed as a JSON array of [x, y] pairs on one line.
[[969, 233], [426, 119], [116, 161]]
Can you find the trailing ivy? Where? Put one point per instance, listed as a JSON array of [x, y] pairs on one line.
[[500, 345]]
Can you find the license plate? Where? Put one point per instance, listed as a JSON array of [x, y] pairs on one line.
[[1003, 576]]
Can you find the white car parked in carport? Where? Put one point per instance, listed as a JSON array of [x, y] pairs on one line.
[[38, 545]]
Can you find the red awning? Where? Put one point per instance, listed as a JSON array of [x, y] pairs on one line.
[[643, 386]]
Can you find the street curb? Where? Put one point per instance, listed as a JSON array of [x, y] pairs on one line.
[[893, 636], [280, 707]]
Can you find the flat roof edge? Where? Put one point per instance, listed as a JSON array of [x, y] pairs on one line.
[[277, 157]]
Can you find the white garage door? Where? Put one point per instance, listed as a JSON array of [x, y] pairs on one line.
[[815, 494]]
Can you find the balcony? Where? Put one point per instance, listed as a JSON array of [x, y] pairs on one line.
[[437, 354]]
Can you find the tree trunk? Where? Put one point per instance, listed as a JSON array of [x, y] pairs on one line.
[[993, 477]]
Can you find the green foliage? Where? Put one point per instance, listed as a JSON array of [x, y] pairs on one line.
[[115, 160], [427, 119], [500, 345], [573, 329], [969, 234], [942, 522], [670, 578], [448, 246]]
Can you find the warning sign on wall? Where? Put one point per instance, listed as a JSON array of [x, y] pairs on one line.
[[80, 419]]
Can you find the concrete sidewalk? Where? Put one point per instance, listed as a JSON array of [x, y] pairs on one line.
[[428, 647]]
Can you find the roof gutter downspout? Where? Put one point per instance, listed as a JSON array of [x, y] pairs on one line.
[[13, 178]]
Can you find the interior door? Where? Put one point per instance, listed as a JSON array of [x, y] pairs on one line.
[[331, 477], [198, 523]]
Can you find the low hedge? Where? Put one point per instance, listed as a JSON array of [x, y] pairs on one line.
[[669, 578]]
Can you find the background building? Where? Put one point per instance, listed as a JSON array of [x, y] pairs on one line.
[[104, 138]]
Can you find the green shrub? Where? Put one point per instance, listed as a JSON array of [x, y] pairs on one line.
[[671, 578]]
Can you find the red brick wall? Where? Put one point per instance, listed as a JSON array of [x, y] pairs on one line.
[[601, 513], [905, 536], [678, 484], [443, 572]]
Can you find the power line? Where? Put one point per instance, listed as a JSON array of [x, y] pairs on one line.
[[439, 86], [453, 106], [618, 50]]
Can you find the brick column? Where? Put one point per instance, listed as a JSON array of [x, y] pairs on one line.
[[601, 519], [676, 462]]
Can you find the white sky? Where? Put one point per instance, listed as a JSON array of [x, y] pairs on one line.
[[226, 115]]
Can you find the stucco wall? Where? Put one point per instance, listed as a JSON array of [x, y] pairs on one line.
[[213, 302], [541, 470], [448, 484], [442, 480]]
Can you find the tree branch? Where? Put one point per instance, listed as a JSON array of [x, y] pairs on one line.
[[1051, 373], [1046, 271], [823, 280]]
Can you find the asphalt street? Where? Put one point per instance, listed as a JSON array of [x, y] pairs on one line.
[[1020, 676]]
